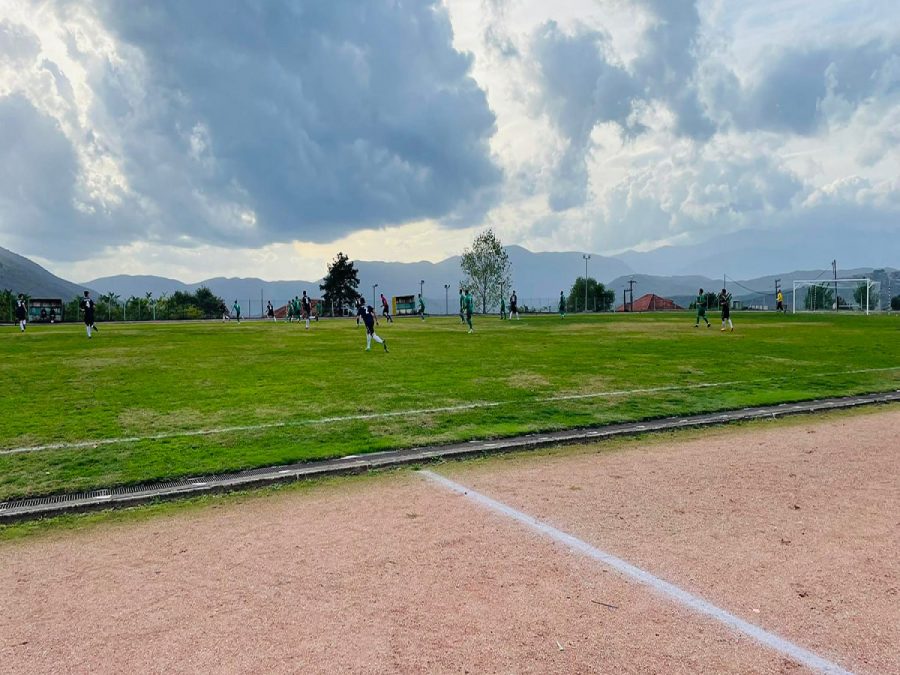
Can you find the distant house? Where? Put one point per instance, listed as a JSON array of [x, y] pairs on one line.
[[650, 303]]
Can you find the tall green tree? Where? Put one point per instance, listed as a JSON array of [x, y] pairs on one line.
[[599, 298], [340, 284], [486, 269]]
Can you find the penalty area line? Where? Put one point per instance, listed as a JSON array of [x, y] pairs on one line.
[[673, 592], [193, 433]]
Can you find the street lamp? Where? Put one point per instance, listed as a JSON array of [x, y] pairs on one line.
[[447, 299], [421, 284], [374, 286], [586, 256]]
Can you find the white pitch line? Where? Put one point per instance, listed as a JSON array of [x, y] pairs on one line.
[[693, 602], [76, 445]]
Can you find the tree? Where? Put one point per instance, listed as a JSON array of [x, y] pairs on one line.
[[340, 283], [819, 296], [486, 269], [599, 299], [895, 303], [859, 296]]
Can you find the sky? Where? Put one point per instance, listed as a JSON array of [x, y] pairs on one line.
[[251, 138]]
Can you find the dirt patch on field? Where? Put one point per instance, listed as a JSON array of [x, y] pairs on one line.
[[791, 526], [525, 379], [392, 574]]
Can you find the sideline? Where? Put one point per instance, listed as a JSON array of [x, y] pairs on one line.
[[76, 445], [124, 496], [693, 602]]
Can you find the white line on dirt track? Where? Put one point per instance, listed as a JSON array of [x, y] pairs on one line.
[[693, 602], [76, 445]]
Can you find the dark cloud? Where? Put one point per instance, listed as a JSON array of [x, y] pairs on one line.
[[324, 117], [791, 90], [582, 87], [319, 117]]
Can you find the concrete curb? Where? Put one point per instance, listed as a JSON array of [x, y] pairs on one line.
[[125, 496]]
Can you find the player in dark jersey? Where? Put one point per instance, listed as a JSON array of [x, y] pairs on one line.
[[385, 309], [369, 319], [701, 309], [514, 305], [562, 305], [87, 306], [725, 305], [21, 312], [360, 309], [270, 311], [305, 308]]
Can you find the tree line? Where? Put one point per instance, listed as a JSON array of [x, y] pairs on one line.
[[201, 304]]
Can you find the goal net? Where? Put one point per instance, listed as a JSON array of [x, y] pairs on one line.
[[836, 295]]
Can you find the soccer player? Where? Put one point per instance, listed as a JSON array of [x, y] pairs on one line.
[[462, 306], [514, 305], [87, 306], [701, 309], [225, 315], [360, 309], [21, 312], [725, 305], [270, 311], [421, 307], [385, 310], [779, 302], [369, 319], [502, 308], [470, 308], [305, 308], [236, 308], [562, 305]]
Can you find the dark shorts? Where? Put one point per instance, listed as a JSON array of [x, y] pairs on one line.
[[780, 306], [726, 313]]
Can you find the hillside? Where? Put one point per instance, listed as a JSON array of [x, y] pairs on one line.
[[21, 275]]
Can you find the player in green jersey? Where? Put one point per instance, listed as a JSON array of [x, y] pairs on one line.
[[701, 309], [470, 309]]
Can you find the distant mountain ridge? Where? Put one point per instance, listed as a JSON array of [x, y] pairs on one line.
[[21, 275]]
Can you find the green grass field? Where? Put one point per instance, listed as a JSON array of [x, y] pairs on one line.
[[316, 394]]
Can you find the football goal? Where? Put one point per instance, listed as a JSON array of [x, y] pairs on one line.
[[836, 295]]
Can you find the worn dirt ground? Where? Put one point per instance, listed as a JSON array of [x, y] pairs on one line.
[[793, 527]]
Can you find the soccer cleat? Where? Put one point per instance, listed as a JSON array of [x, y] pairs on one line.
[[470, 330], [384, 344], [696, 325], [722, 329]]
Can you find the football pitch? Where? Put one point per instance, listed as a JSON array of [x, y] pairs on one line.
[[148, 402]]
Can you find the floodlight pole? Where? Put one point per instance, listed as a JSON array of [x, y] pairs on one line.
[[586, 256], [447, 299], [374, 286]]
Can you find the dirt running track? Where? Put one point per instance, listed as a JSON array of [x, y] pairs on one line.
[[793, 527]]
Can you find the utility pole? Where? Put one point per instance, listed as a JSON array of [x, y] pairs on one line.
[[586, 256], [421, 284], [374, 286], [447, 299], [834, 274], [631, 283]]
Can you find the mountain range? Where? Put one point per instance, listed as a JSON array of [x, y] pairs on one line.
[[537, 277]]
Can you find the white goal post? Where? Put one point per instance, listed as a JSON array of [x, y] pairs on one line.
[[836, 295]]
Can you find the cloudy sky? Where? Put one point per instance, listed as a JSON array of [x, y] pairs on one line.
[[257, 138]]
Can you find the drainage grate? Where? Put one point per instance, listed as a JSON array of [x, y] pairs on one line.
[[129, 495]]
